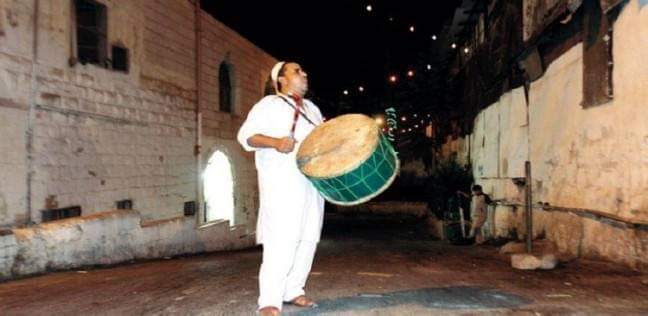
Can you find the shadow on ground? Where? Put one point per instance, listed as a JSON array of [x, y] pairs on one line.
[[439, 298]]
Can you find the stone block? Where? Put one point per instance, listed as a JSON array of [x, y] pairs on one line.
[[538, 247], [8, 251], [525, 261]]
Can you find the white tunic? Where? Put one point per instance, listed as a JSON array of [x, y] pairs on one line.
[[290, 207]]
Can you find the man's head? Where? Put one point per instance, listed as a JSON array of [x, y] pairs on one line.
[[289, 78], [476, 188]]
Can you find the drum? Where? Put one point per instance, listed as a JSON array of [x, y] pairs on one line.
[[348, 159]]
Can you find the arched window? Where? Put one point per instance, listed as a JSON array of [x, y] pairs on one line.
[[218, 188], [225, 88]]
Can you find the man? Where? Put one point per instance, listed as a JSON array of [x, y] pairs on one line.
[[478, 212], [291, 210]]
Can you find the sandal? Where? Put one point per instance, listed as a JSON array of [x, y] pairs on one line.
[[268, 311], [302, 301]]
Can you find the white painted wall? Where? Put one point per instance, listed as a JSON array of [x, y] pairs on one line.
[[594, 158]]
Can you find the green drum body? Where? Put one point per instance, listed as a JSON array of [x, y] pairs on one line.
[[366, 181], [349, 182]]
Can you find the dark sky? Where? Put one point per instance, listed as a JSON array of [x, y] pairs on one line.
[[339, 43]]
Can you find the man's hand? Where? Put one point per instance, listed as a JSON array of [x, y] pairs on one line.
[[285, 144], [282, 145]]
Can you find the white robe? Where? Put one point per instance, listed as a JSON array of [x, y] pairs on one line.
[[290, 207]]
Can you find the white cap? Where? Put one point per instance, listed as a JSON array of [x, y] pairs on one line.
[[274, 73]]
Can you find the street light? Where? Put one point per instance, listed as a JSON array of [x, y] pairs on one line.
[[380, 119]]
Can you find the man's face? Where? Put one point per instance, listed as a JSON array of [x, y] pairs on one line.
[[294, 80]]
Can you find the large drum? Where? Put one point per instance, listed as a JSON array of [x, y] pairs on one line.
[[348, 159]]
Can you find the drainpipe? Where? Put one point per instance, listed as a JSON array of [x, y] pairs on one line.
[[527, 172], [30, 117], [198, 111], [528, 207]]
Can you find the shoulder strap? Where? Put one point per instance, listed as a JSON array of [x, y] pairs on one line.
[[300, 112]]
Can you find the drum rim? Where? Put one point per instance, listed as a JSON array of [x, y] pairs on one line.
[[354, 166]]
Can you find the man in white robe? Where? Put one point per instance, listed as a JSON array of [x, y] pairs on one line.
[[291, 210]]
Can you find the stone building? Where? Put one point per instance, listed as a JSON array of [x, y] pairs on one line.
[[569, 96], [118, 122]]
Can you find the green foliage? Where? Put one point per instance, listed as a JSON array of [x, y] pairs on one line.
[[446, 179]]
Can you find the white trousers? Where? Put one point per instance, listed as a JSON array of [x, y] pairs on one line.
[[284, 271]]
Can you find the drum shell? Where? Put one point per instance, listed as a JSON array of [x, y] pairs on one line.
[[366, 181]]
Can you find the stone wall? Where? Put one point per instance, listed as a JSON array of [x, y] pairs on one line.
[[84, 135], [589, 166], [250, 69], [97, 135], [72, 243]]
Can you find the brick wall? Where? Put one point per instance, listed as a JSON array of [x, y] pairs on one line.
[[250, 68], [170, 42], [15, 82], [100, 135]]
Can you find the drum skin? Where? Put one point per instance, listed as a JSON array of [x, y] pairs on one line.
[[348, 159]]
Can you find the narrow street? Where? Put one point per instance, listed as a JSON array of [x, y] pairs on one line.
[[143, 141], [375, 265]]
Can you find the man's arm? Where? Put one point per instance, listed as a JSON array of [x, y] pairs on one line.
[[283, 145]]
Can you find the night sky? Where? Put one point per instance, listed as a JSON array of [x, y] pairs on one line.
[[339, 43]]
